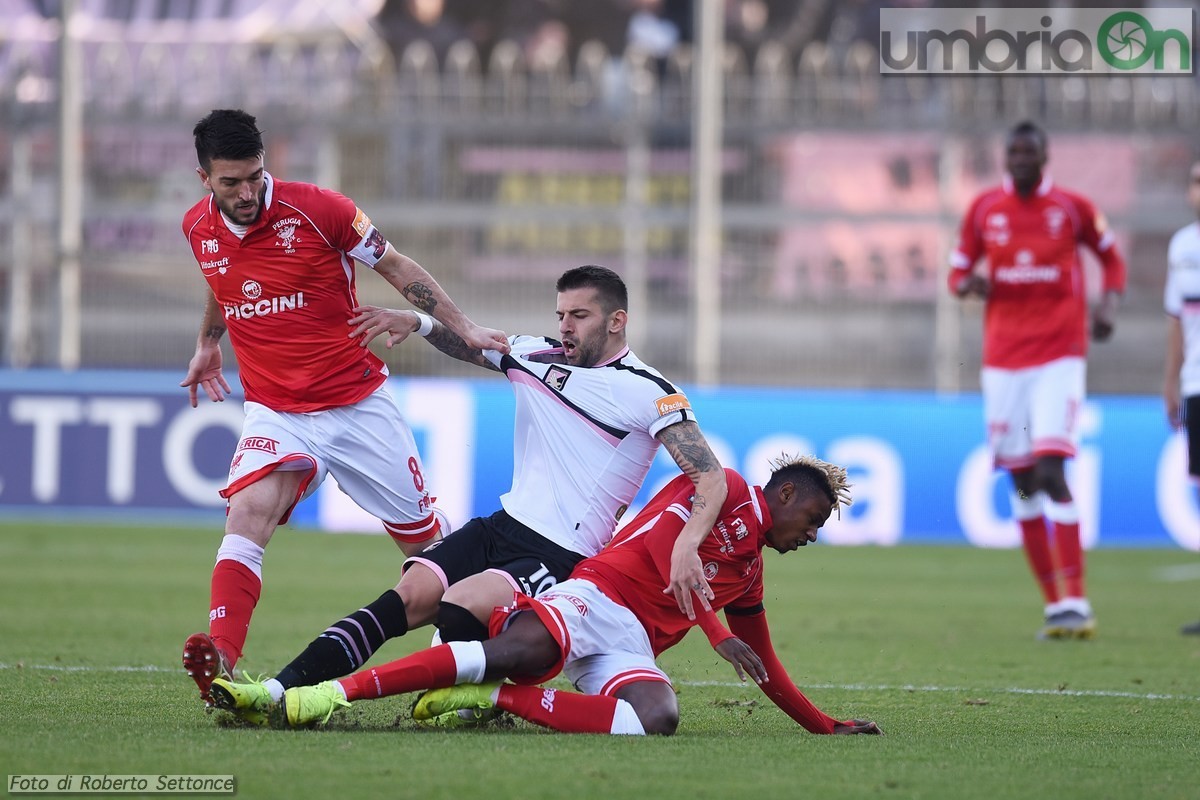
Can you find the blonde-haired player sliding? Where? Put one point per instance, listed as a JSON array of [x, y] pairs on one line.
[[604, 626]]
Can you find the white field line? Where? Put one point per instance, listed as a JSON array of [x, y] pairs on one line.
[[849, 687], [1179, 573]]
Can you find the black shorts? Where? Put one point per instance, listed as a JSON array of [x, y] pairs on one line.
[[500, 542], [1191, 419]]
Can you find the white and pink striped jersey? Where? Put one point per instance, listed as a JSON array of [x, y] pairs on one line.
[[584, 439]]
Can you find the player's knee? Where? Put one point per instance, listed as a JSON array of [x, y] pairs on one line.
[[659, 718], [420, 596], [457, 624]]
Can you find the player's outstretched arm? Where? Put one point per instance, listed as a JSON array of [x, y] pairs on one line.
[[370, 322], [204, 369], [687, 445], [419, 288]]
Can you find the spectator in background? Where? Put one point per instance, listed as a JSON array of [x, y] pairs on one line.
[[408, 21], [1181, 299], [1034, 354]]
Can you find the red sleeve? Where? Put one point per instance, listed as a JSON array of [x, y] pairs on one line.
[[712, 627], [752, 629], [967, 250], [660, 539], [1100, 240]]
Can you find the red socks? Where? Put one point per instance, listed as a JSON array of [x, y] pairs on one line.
[[1069, 551], [234, 594], [563, 711], [429, 669], [1036, 540]]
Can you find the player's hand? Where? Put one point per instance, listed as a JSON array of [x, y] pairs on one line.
[[1104, 317], [481, 338], [687, 578], [204, 370], [1174, 404], [744, 659], [973, 285], [853, 726], [372, 321]]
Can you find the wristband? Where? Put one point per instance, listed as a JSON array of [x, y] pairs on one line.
[[426, 326]]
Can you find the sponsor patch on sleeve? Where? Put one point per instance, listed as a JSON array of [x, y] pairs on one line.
[[672, 403], [362, 223]]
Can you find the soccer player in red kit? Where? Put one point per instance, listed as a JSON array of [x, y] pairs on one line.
[[604, 626], [1034, 354], [279, 258]]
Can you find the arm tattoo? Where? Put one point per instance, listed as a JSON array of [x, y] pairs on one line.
[[421, 296], [688, 447], [214, 332], [452, 345]]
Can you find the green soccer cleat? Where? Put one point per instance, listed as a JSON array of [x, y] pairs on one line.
[[249, 701], [468, 696], [462, 718], [308, 705]]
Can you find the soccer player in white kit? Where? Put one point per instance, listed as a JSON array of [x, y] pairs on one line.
[[279, 258], [603, 628], [1034, 354], [1181, 300], [589, 418]]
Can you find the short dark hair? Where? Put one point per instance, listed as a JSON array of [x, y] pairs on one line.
[[609, 287], [811, 474], [1028, 128], [228, 134]]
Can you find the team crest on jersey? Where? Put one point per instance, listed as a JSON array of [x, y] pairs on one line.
[[252, 290], [236, 464], [285, 229], [1055, 218], [710, 570], [996, 229], [556, 378]]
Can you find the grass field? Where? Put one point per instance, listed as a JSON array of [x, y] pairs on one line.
[[935, 644]]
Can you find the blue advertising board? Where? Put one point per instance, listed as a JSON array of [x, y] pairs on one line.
[[129, 442]]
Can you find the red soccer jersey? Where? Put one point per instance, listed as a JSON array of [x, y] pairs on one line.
[[287, 290], [1036, 308], [636, 565]]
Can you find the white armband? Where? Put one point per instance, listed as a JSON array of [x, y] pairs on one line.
[[426, 327]]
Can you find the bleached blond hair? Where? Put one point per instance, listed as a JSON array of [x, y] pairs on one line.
[[830, 478]]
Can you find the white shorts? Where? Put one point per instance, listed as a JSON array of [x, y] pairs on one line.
[[1033, 412], [367, 447], [605, 646]]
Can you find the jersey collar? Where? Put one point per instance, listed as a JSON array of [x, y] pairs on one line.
[[624, 352], [759, 501]]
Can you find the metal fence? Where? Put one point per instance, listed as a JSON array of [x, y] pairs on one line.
[[841, 191]]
